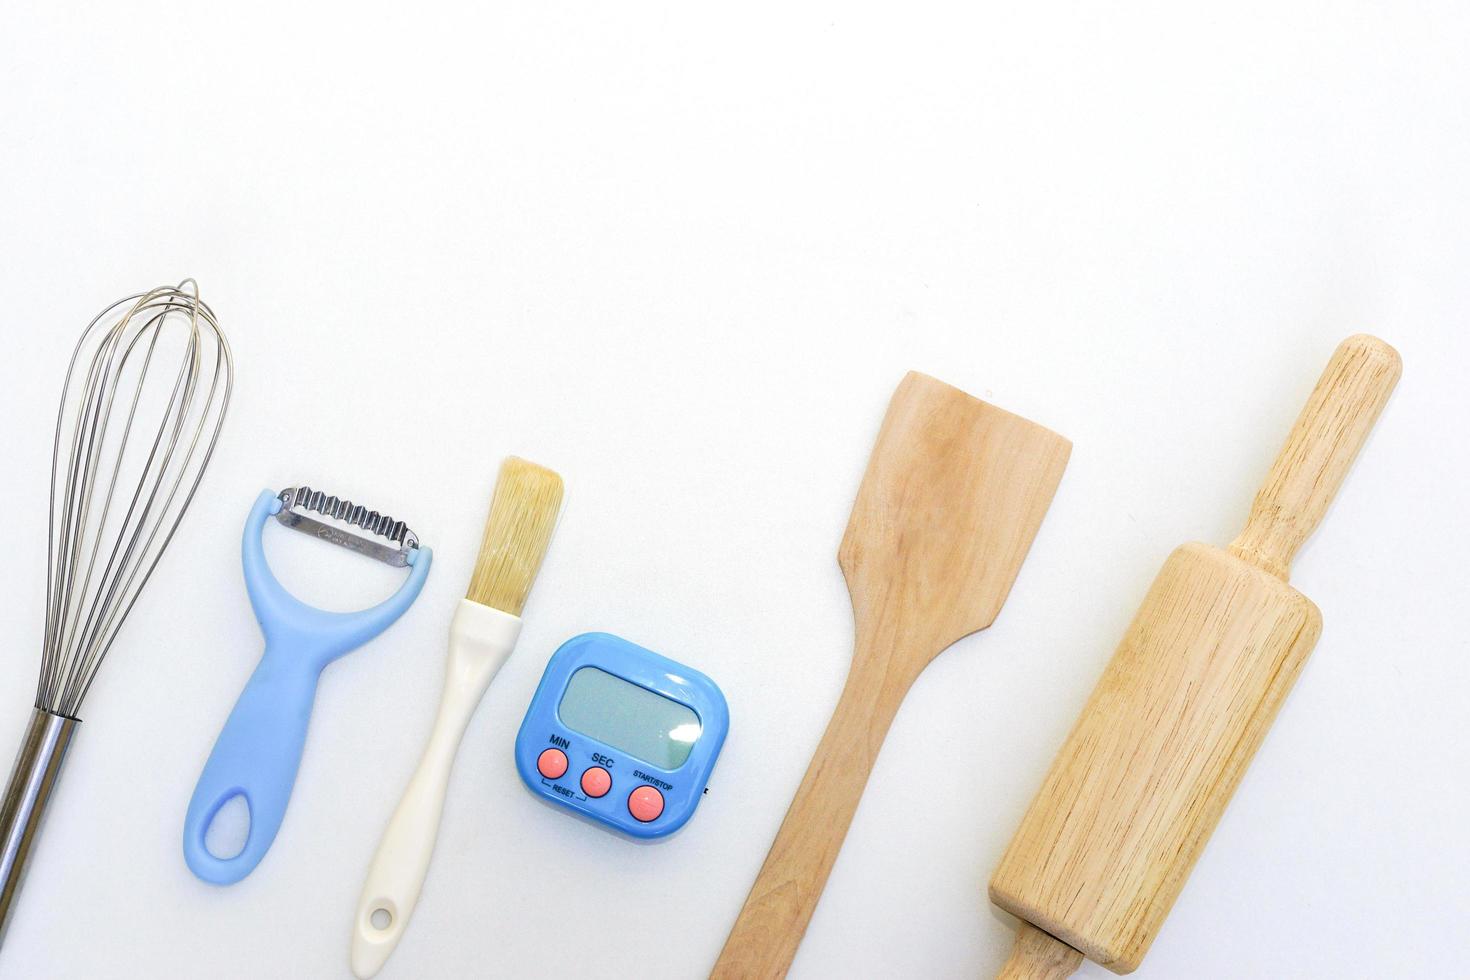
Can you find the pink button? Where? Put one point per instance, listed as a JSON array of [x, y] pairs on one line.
[[552, 763], [596, 782], [645, 803]]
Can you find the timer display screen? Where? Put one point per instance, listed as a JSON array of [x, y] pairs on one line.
[[629, 718]]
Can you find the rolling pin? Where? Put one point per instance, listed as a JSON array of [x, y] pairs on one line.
[[1145, 775]]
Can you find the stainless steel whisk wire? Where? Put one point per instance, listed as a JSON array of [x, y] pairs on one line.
[[71, 656], [87, 603]]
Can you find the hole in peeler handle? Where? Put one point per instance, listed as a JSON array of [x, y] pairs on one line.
[[228, 829]]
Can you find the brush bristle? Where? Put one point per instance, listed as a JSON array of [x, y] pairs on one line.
[[517, 532]]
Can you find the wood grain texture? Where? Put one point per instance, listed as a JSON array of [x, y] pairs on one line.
[[1148, 769], [1181, 709], [953, 495], [1318, 453], [1037, 956]]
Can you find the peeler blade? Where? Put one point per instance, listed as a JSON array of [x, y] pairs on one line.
[[297, 501]]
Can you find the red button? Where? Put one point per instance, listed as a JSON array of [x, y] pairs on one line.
[[552, 763], [596, 782], [645, 803]]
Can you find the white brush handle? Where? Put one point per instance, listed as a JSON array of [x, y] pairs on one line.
[[480, 640]]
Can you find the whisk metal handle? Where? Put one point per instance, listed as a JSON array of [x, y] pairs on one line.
[[32, 780]]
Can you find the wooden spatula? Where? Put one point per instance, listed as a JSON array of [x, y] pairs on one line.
[[955, 491]]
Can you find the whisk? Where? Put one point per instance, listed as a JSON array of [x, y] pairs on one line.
[[120, 484]]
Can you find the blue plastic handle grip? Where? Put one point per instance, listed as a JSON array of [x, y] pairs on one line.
[[258, 752]]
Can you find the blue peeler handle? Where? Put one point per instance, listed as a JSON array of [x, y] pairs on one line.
[[258, 752]]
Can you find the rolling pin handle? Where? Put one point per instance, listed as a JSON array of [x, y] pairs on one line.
[[1038, 956], [1318, 453]]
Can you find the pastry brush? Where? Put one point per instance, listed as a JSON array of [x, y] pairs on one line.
[[481, 636]]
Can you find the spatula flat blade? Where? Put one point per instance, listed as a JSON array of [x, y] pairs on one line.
[[954, 493]]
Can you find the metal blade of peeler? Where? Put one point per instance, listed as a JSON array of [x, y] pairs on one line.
[[304, 497]]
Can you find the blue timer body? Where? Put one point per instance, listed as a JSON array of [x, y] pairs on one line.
[[622, 735]]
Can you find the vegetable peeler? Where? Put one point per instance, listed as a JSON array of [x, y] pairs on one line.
[[258, 752]]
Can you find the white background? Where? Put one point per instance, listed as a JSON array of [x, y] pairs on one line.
[[683, 254]]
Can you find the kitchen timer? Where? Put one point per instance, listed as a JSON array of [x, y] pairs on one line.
[[622, 735]]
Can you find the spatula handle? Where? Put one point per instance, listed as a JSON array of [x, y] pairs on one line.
[[764, 939], [1318, 453]]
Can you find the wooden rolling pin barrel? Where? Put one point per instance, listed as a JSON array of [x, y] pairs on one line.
[[1145, 775]]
